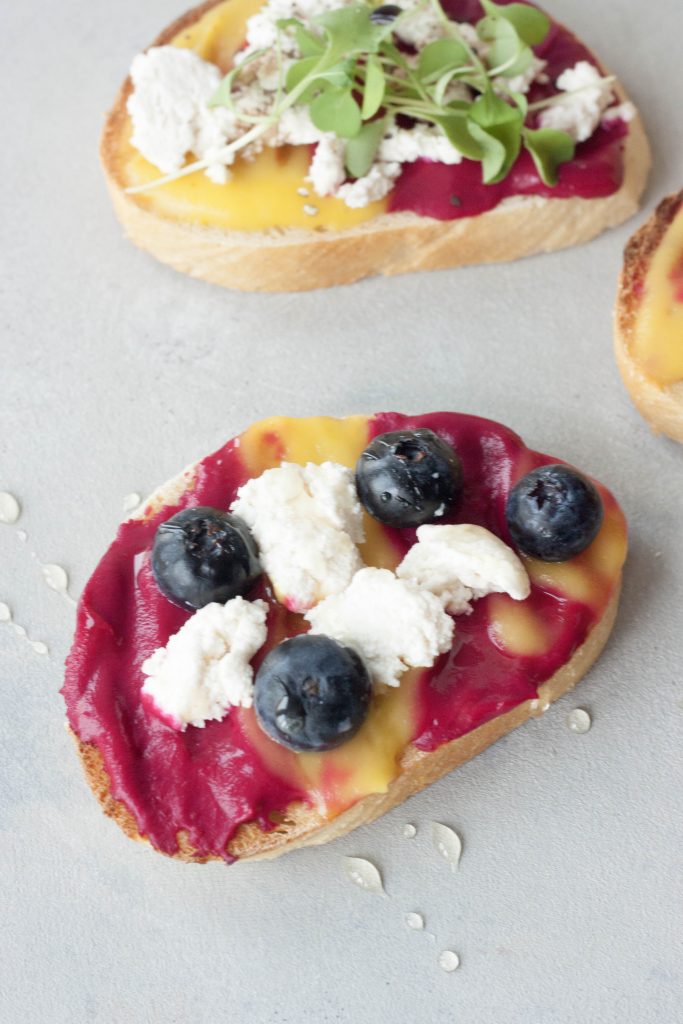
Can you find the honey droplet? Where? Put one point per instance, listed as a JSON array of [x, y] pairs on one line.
[[131, 501], [578, 721], [10, 509], [5, 612], [414, 921], [448, 843], [364, 874], [449, 961], [409, 831], [56, 578]]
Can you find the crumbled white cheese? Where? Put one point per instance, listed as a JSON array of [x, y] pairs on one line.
[[168, 108], [393, 624], [405, 145], [580, 111], [306, 521], [252, 99], [295, 128], [461, 563], [422, 26], [469, 35], [204, 668], [399, 145], [327, 171], [523, 82], [622, 112], [373, 186], [262, 27]]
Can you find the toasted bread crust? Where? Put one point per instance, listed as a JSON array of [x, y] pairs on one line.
[[662, 406], [302, 825], [297, 260]]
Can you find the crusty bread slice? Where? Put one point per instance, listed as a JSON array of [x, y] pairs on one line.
[[662, 406], [305, 826], [298, 260]]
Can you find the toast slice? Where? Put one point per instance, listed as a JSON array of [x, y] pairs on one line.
[[298, 259], [660, 402], [588, 583]]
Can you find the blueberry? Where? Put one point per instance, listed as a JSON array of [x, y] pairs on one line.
[[311, 693], [553, 513], [202, 555], [385, 14], [408, 477]]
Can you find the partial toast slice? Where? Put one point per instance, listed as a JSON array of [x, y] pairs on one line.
[[660, 403], [297, 259], [118, 605]]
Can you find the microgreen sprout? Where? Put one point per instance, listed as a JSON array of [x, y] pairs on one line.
[[353, 76]]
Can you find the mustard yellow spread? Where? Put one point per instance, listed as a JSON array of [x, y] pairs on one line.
[[657, 344]]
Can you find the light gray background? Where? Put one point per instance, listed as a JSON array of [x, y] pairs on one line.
[[115, 373]]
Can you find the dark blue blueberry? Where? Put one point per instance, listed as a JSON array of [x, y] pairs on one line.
[[311, 693], [202, 555], [554, 513], [408, 477], [385, 14]]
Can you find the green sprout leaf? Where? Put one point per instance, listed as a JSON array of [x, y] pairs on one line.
[[361, 150], [531, 25], [223, 94], [549, 148], [441, 87], [489, 109], [309, 44], [508, 54], [338, 77], [520, 99], [350, 31], [336, 111], [494, 154], [299, 71], [439, 57], [373, 91], [501, 145], [498, 128], [457, 130]]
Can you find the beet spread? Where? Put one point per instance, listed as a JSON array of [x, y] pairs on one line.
[[209, 781], [449, 192]]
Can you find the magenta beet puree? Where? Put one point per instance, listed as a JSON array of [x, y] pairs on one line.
[[449, 192], [208, 781]]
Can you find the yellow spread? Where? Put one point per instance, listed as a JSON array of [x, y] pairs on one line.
[[589, 577], [262, 193], [658, 334], [516, 628]]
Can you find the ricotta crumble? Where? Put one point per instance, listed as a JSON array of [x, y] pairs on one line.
[[393, 624], [461, 563], [307, 521], [204, 668]]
